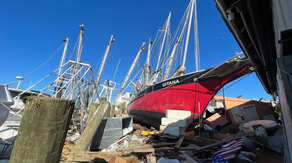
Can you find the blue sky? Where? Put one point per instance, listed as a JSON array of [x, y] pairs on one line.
[[32, 30]]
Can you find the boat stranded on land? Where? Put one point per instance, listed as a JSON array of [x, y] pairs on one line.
[[189, 92]]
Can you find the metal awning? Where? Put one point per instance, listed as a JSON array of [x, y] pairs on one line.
[[251, 23]]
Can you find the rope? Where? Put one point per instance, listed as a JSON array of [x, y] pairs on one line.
[[44, 62], [217, 26], [12, 82], [207, 49], [112, 62], [285, 72], [74, 48], [234, 83]]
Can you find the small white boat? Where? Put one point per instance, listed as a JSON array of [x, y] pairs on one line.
[[5, 102]]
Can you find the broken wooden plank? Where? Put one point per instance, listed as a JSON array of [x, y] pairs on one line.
[[217, 136], [83, 156], [124, 159], [132, 148], [178, 144], [207, 139], [91, 128], [151, 149], [146, 146], [92, 110]]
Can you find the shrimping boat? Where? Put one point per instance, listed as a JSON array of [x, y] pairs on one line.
[[190, 92]]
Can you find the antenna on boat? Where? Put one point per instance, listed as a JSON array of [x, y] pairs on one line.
[[19, 78]]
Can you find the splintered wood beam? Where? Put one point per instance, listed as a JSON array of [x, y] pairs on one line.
[[147, 147], [83, 156], [91, 128], [178, 144], [150, 149]]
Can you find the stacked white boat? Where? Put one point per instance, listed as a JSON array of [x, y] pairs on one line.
[[8, 130], [5, 102]]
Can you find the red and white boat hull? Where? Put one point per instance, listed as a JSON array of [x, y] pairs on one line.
[[188, 92]]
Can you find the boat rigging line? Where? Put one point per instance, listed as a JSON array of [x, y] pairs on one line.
[[217, 26], [52, 56], [234, 83]]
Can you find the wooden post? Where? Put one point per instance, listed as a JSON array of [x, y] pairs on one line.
[[43, 130], [108, 113], [113, 111], [91, 128], [122, 108], [92, 110]]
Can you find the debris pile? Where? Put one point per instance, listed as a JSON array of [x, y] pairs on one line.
[[219, 137]]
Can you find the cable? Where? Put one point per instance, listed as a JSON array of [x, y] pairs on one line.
[[234, 83], [207, 49], [217, 26], [212, 45], [44, 62]]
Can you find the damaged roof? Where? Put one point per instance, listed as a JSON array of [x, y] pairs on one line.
[[251, 23]]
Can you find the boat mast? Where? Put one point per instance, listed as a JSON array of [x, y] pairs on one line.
[[170, 60], [130, 71], [197, 51], [63, 57], [78, 56], [188, 33], [162, 45], [104, 59], [111, 91], [148, 61]]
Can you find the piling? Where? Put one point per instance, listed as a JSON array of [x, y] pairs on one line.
[[42, 131], [113, 111], [92, 110], [91, 128]]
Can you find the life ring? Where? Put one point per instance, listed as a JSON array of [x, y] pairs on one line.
[[138, 85]]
